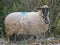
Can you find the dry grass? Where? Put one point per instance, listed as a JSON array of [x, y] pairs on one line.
[[44, 42]]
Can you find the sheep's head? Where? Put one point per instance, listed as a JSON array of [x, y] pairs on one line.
[[45, 12]]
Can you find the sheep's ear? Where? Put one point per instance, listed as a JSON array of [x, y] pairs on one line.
[[39, 8]]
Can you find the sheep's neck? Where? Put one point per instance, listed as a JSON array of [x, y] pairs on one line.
[[40, 12]]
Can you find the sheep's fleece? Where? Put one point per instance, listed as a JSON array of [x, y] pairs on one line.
[[25, 23]]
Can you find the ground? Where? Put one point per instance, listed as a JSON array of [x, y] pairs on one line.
[[43, 42]]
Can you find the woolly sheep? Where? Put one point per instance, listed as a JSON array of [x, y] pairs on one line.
[[26, 22]]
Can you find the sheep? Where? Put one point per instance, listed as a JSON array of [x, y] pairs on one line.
[[27, 22]]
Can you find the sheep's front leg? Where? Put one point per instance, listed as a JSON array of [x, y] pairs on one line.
[[37, 38]]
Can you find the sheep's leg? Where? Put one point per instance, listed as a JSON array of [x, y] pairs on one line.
[[31, 37], [15, 37], [43, 35], [8, 38], [37, 38]]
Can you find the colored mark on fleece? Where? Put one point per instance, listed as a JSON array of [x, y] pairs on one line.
[[23, 13]]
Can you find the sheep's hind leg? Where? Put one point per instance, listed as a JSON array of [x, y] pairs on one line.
[[14, 37], [8, 39]]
